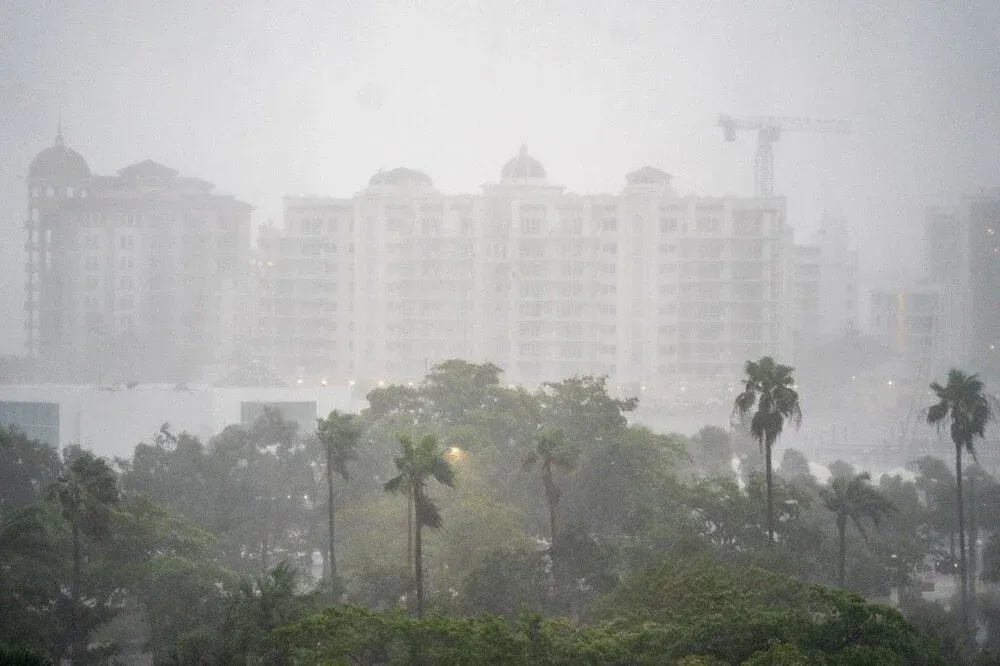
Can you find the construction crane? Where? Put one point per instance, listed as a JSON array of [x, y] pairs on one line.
[[769, 129]]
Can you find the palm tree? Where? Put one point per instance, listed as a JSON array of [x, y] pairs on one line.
[[553, 452], [853, 498], [964, 405], [416, 464], [86, 492], [338, 434], [770, 387]]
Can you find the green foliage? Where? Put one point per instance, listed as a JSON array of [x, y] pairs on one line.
[[853, 498], [204, 556], [22, 657], [338, 436], [27, 468], [733, 614], [508, 582], [964, 405], [768, 401]]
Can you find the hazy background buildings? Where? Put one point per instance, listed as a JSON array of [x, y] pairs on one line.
[[367, 283]]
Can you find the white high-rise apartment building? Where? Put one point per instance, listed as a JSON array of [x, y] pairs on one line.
[[664, 294], [136, 276]]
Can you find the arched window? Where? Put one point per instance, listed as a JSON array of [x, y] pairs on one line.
[[69, 192]]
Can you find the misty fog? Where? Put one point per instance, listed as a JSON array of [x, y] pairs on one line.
[[480, 333]]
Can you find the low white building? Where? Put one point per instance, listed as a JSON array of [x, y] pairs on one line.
[[111, 421]]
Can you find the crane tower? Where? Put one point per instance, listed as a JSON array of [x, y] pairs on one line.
[[769, 129]]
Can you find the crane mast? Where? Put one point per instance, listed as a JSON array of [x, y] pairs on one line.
[[769, 130]]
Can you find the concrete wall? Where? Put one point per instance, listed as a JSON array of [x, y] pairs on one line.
[[112, 422]]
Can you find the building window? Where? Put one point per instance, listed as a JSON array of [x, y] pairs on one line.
[[126, 242], [573, 226], [708, 225], [668, 225], [531, 226]]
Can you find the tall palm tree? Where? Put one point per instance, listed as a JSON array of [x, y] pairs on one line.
[[770, 389], [87, 491], [338, 435], [964, 405], [854, 498], [552, 452], [416, 464]]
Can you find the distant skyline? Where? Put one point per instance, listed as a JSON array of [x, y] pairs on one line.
[[316, 97]]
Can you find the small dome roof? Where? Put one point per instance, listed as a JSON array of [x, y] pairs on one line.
[[59, 163], [648, 175], [521, 167], [401, 176]]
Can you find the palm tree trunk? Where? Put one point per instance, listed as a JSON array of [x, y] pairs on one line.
[[552, 523], [264, 553], [76, 638], [550, 499], [418, 563], [770, 493], [409, 532], [973, 537], [842, 551], [963, 573], [331, 557]]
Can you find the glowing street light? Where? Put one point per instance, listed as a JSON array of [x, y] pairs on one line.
[[454, 454]]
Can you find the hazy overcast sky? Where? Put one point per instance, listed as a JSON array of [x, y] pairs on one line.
[[267, 99]]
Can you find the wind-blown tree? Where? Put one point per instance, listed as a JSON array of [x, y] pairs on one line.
[[770, 397], [86, 492], [964, 405], [552, 452], [416, 464], [27, 467], [338, 434], [853, 498]]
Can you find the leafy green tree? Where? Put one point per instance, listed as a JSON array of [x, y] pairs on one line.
[[27, 468], [260, 481], [416, 464], [509, 582], [712, 451], [552, 452], [261, 603], [853, 498], [770, 397], [963, 404], [33, 573], [87, 493], [732, 613], [582, 408], [456, 389], [936, 482], [794, 465], [338, 434]]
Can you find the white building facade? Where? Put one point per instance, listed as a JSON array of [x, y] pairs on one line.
[[139, 275], [664, 294]]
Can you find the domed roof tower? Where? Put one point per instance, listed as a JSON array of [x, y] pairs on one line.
[[401, 177], [522, 168], [58, 164]]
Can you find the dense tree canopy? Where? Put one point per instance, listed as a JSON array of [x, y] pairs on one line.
[[211, 552]]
